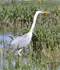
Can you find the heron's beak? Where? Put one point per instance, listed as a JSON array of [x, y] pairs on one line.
[[45, 12]]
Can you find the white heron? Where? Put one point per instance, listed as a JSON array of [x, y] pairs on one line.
[[24, 40]]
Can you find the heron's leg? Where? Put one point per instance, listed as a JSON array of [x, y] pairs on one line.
[[27, 49], [14, 51], [19, 52]]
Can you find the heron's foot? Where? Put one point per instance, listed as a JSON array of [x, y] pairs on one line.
[[19, 52]]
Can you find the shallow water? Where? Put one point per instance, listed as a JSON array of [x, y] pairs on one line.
[[4, 60], [6, 38]]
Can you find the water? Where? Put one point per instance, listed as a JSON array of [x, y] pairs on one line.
[[4, 61], [32, 2], [6, 38]]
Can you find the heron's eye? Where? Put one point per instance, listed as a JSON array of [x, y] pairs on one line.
[[39, 9]]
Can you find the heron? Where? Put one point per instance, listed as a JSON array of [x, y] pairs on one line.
[[24, 40]]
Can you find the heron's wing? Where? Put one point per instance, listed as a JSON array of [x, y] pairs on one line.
[[20, 42], [16, 41]]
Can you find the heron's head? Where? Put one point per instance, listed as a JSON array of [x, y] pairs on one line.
[[40, 11]]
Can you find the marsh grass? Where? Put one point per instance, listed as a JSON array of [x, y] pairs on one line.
[[36, 60]]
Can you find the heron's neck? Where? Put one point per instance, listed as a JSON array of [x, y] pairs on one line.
[[34, 22]]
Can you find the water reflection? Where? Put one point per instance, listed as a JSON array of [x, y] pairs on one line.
[[48, 67], [59, 68]]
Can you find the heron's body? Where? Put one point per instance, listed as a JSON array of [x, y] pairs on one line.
[[24, 40]]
